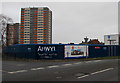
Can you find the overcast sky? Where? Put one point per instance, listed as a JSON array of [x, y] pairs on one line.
[[72, 21]]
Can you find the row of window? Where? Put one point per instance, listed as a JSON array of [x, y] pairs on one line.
[[35, 29], [26, 32], [36, 24], [35, 11], [32, 39], [29, 20], [34, 42], [38, 17], [33, 22], [33, 15], [34, 33], [24, 10]]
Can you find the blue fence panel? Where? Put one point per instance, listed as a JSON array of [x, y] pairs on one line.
[[98, 51], [114, 50], [118, 50]]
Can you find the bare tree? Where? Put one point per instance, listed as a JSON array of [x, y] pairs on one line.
[[4, 20]]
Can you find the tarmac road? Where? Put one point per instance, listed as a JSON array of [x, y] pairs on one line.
[[0, 63], [95, 70]]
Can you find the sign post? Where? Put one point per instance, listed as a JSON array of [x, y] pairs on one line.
[[110, 40]]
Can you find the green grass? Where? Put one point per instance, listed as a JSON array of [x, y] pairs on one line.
[[101, 58], [59, 60]]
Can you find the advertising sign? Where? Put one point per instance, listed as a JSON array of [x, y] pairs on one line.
[[50, 51], [76, 51], [112, 39]]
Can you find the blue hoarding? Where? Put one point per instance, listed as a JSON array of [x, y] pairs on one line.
[[61, 51], [36, 51], [98, 51]]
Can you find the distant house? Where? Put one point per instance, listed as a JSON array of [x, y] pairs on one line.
[[94, 41], [12, 34], [91, 41]]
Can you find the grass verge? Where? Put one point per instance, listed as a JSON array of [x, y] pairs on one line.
[[58, 60]]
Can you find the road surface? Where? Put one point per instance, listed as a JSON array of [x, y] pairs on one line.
[[94, 70], [0, 63]]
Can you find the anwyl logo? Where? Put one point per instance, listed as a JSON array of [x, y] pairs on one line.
[[46, 48]]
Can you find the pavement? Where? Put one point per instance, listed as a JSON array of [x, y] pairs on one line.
[[94, 70], [0, 63]]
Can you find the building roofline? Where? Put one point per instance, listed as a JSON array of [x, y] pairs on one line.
[[34, 7], [113, 34]]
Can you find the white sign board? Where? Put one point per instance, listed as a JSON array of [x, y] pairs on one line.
[[114, 38]]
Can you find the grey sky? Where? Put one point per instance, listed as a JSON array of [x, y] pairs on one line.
[[72, 21]]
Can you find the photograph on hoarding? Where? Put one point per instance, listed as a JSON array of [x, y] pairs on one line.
[[76, 51]]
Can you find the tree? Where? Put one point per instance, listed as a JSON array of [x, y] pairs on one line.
[[4, 20]]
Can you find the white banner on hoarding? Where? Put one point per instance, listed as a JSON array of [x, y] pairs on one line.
[[76, 51]]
